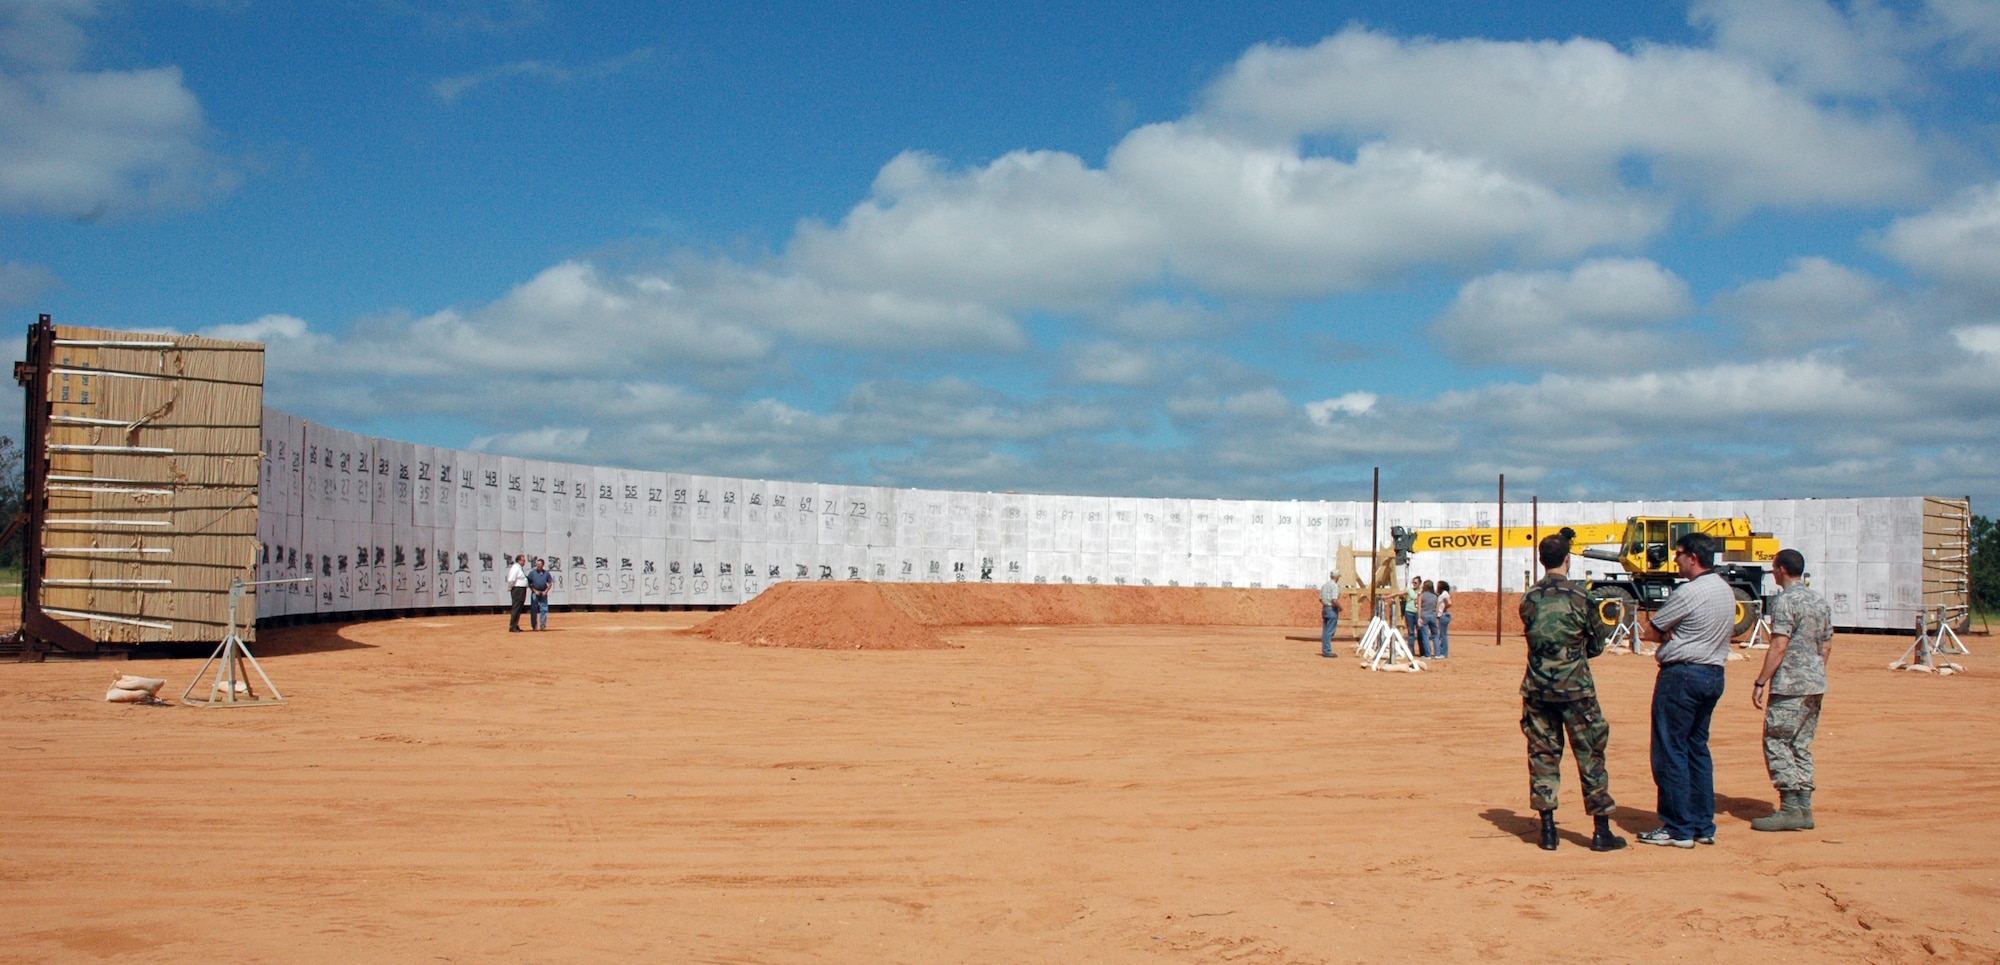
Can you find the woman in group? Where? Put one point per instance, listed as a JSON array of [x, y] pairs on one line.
[[1412, 603], [1445, 619], [1427, 614]]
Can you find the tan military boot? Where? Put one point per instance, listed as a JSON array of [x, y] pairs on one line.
[[1794, 813]]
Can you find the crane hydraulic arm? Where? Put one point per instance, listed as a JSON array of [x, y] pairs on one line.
[[1644, 549], [1410, 541]]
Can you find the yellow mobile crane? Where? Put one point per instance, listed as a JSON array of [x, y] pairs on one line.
[[1644, 549]]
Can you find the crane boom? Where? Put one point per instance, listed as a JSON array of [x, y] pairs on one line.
[[1488, 537], [1641, 546]]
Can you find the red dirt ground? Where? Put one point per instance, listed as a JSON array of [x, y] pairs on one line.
[[907, 616], [439, 790]]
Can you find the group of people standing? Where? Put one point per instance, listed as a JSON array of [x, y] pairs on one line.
[[528, 588], [1693, 629], [1426, 615]]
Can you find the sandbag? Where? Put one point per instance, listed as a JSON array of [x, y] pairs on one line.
[[150, 685], [123, 695]]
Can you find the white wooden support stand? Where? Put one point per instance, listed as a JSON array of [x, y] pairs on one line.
[[1932, 645], [1760, 635], [1945, 637], [1383, 643], [1627, 634], [231, 687]]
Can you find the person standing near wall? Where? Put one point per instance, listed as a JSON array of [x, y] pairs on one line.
[[517, 588], [1700, 616], [1427, 619], [1412, 603], [1444, 620], [1789, 690], [1329, 612], [1558, 696], [538, 596]]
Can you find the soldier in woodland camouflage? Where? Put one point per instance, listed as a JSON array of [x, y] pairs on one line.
[[1558, 695]]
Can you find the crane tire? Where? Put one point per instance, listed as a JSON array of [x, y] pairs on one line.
[[1748, 611], [1613, 603]]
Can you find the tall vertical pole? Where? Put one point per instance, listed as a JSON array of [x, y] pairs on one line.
[[1535, 536], [1500, 565], [1374, 540]]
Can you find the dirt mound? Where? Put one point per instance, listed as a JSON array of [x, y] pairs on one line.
[[902, 616], [1070, 604], [823, 616], [1472, 611]]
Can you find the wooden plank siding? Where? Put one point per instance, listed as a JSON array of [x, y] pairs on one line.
[[154, 452]]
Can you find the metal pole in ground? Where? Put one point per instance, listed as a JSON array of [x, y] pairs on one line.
[[1500, 565], [1374, 540], [1535, 536]]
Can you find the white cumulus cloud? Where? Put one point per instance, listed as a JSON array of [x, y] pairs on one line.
[[1327, 411], [1813, 45], [1957, 243], [1815, 303], [1111, 364], [1178, 203], [88, 143], [1590, 317], [1983, 339], [21, 283], [1576, 113]]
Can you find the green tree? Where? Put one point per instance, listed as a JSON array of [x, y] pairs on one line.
[[10, 498], [1985, 564]]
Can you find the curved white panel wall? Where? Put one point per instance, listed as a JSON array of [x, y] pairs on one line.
[[383, 524]]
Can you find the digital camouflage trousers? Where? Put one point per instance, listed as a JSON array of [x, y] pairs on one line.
[[1789, 726], [1545, 722]]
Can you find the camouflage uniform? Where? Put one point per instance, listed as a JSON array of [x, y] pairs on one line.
[[1558, 695], [1791, 716]]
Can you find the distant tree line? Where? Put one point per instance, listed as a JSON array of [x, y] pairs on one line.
[[10, 499], [1985, 564]]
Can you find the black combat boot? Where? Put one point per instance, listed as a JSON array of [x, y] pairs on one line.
[[1604, 840], [1548, 830]]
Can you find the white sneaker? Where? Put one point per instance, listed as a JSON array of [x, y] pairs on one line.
[[1660, 837]]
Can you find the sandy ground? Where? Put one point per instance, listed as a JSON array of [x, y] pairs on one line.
[[438, 790]]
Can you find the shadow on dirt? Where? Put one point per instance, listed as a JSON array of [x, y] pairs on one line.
[[309, 638]]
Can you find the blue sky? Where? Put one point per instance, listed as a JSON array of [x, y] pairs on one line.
[[1732, 249]]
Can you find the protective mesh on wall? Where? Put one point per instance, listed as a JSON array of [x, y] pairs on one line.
[[386, 525]]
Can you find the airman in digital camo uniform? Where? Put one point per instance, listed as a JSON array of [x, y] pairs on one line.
[[1558, 695], [1793, 683]]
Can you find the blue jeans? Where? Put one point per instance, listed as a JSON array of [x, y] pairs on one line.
[[1427, 636], [1684, 697], [1444, 635], [539, 617], [1328, 618], [1410, 628]]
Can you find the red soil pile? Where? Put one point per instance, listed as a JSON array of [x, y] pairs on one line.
[[1072, 604], [822, 616], [1472, 612], [901, 616]]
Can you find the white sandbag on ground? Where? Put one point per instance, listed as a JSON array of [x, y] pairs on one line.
[[150, 685], [121, 695]]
